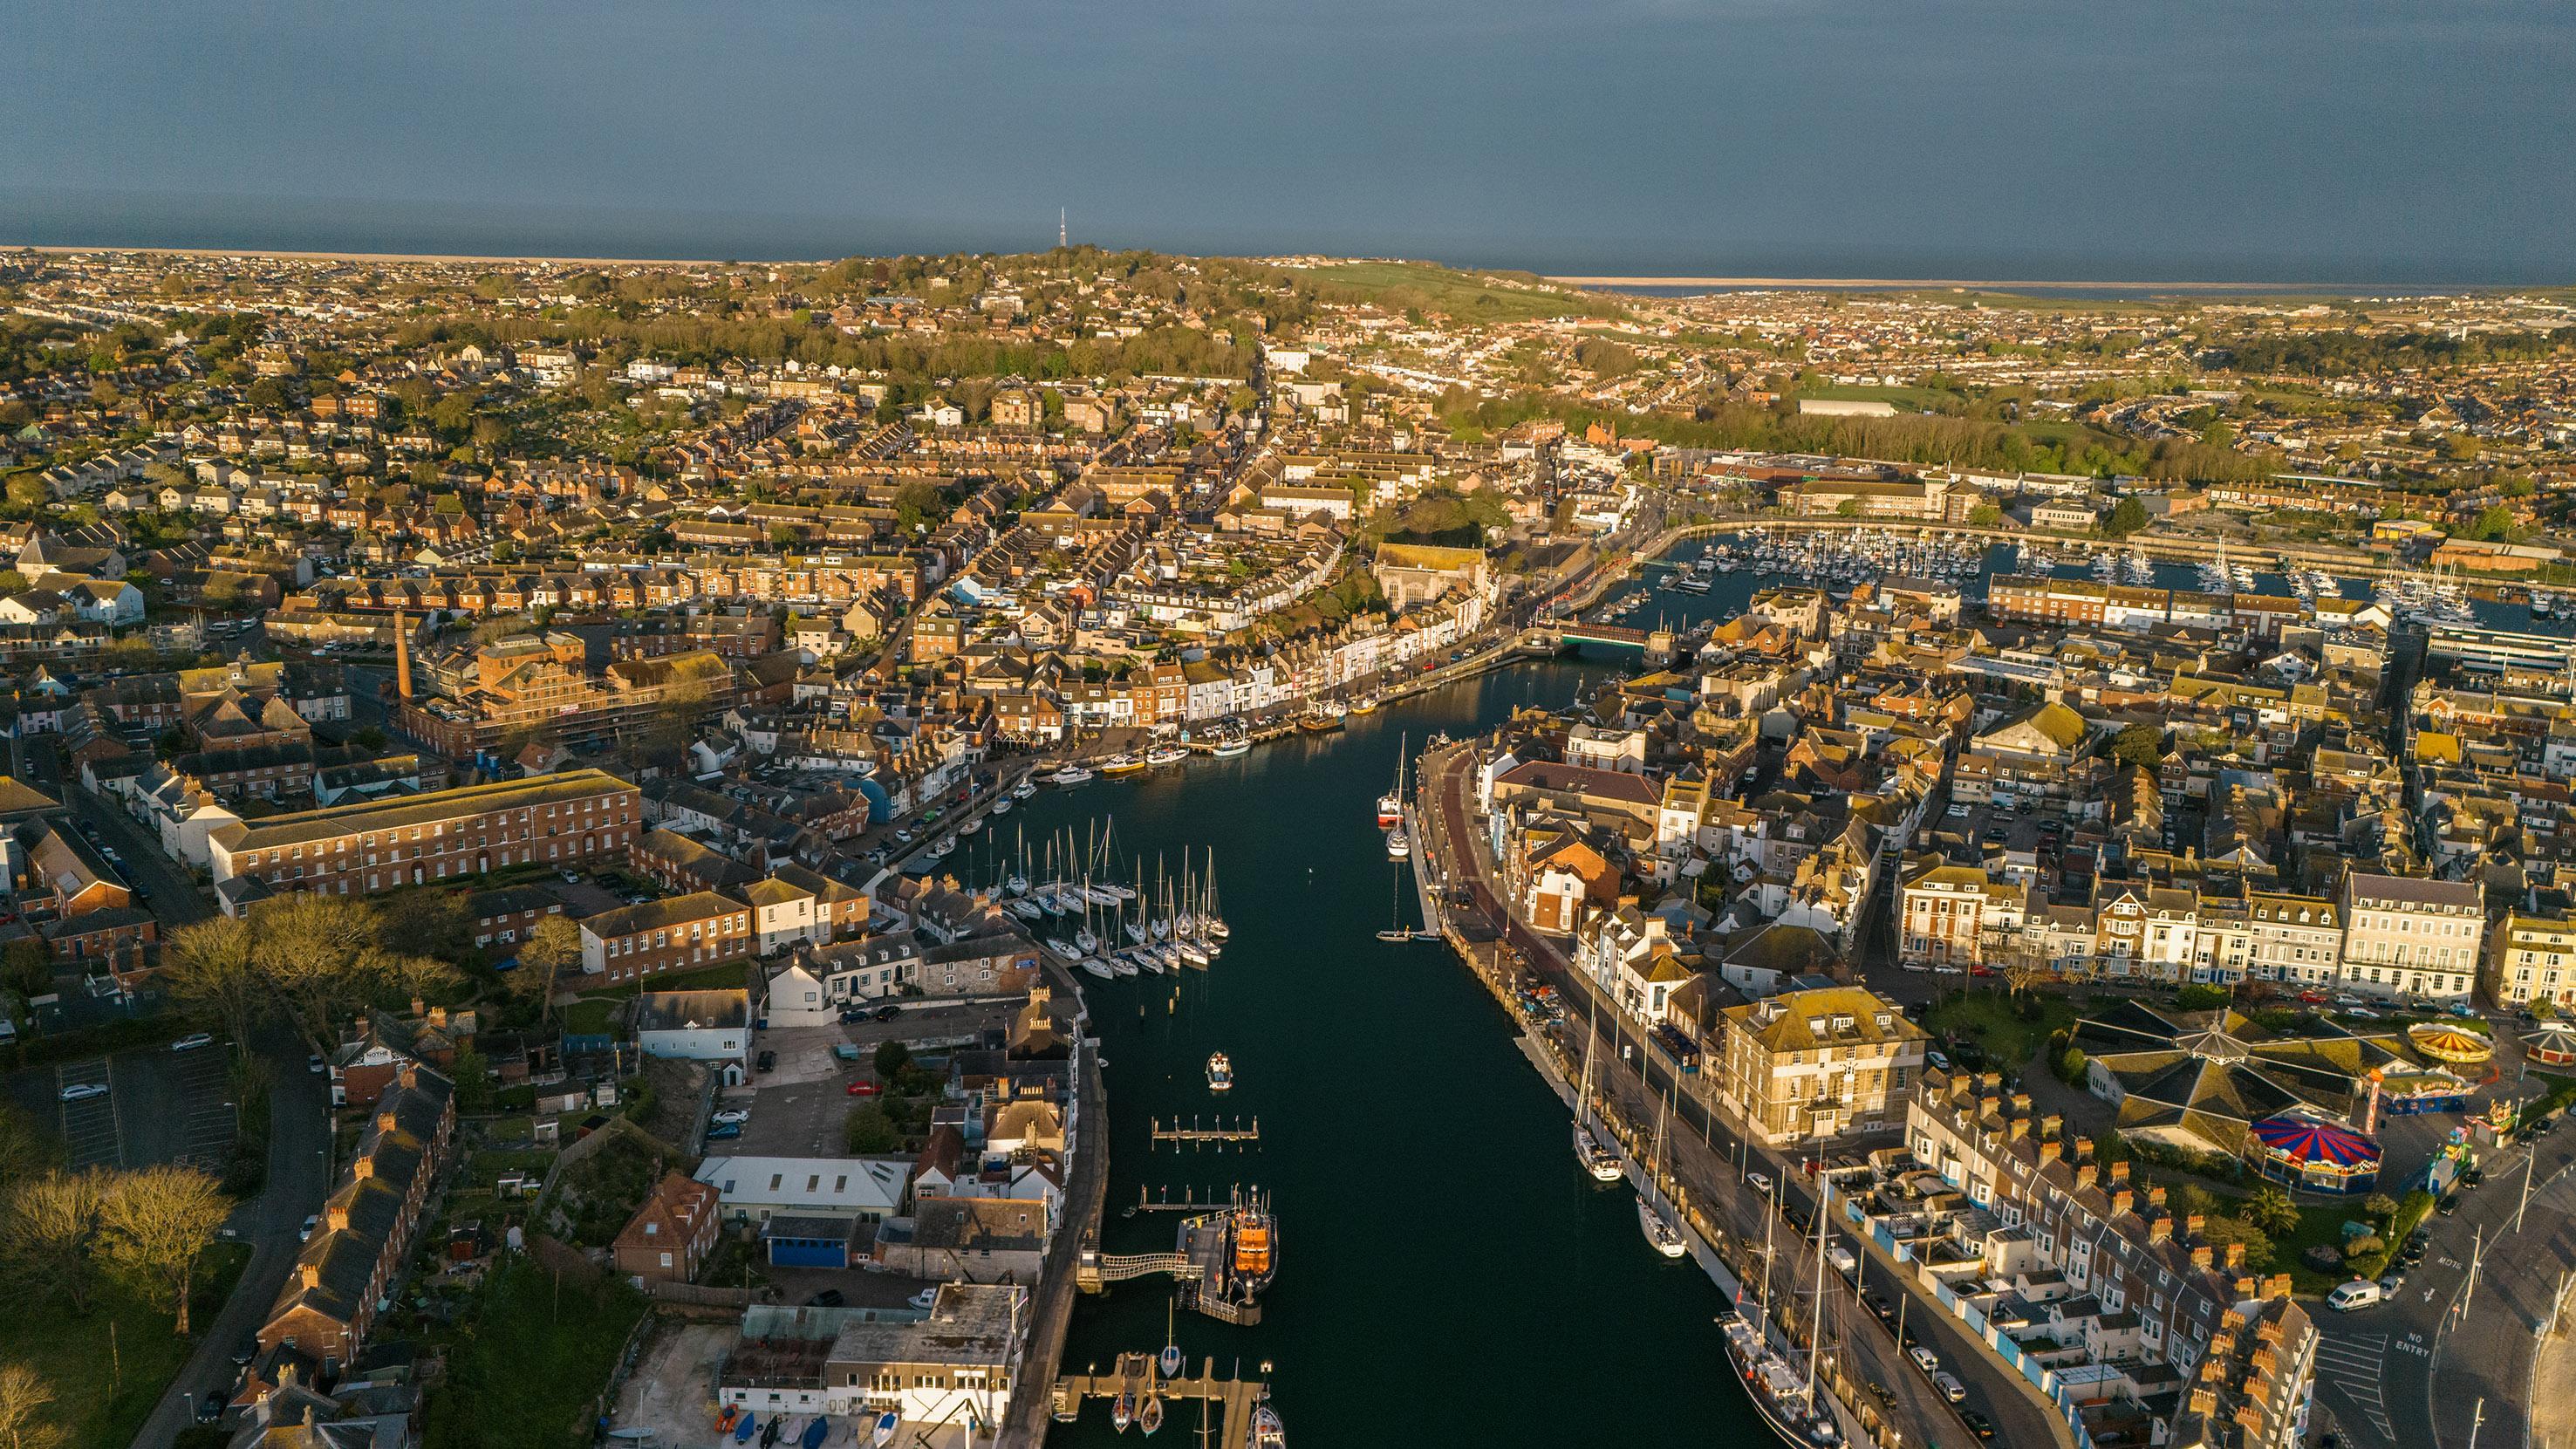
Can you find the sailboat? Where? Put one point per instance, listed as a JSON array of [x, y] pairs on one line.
[[1390, 806], [1597, 1159], [1654, 1217], [1170, 1360]]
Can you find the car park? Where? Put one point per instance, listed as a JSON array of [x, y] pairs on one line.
[[83, 1091], [192, 1041]]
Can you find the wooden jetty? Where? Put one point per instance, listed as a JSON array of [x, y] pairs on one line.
[[1195, 1135], [1164, 1204], [1232, 1400]]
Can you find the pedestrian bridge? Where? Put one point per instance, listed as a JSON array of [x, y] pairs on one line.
[[1654, 644]]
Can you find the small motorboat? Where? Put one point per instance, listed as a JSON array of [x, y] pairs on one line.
[[1070, 775], [1123, 1412], [924, 1300], [1220, 1072], [1122, 764], [1152, 1418], [883, 1433], [1166, 755], [1024, 790], [1227, 749], [1002, 806]]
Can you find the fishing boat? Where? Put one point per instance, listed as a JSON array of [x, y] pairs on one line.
[[1069, 775], [887, 1423], [1231, 746], [1390, 806], [1398, 844], [1170, 1360], [1166, 755], [1319, 722], [1266, 1432], [1775, 1389], [1366, 704], [1122, 764], [1220, 1073]]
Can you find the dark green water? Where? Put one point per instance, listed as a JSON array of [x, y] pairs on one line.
[[1447, 1275]]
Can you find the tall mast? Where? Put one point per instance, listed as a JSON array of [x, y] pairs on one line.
[[1816, 1330]]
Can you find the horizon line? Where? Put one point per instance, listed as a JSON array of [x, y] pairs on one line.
[[1976, 283]]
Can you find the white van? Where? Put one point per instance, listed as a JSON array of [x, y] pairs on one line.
[[2359, 1293]]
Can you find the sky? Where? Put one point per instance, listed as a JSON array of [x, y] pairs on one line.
[[2253, 140]]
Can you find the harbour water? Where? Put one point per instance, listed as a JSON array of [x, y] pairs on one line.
[[1448, 1275]]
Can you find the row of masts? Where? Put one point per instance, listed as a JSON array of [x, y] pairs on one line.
[[1072, 882]]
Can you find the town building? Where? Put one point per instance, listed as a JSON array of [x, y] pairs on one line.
[[1810, 1064], [576, 818]]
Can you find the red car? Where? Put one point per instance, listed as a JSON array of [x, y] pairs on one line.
[[2312, 998], [863, 1089]]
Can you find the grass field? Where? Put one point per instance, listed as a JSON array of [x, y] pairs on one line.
[[1997, 1026], [1904, 399], [107, 1367], [1462, 295], [531, 1360]]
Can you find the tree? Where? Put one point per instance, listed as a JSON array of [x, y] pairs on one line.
[[552, 945], [208, 968], [158, 1222], [2380, 1205], [51, 1233], [24, 1398], [2142, 745], [310, 946], [1985, 515], [2219, 1230], [870, 1130], [428, 922], [28, 967], [892, 1057], [2271, 1210], [2127, 517]]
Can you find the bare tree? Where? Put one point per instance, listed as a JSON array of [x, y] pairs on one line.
[[24, 1398], [209, 968], [158, 1222], [2023, 963], [309, 945], [52, 1230], [553, 945]]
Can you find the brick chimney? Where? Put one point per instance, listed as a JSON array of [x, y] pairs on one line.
[[2050, 1125], [2085, 1174], [438, 1017], [2159, 1228], [2235, 1256], [2017, 1129], [2192, 1225], [386, 1122], [2203, 1402], [2200, 1256], [2021, 1104], [2277, 1286], [362, 1168], [2155, 1196], [2050, 1150], [2084, 1149], [408, 1075], [309, 1274], [2121, 1201], [336, 1218], [2120, 1171]]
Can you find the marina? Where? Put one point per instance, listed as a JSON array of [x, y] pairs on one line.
[[1222, 1409]]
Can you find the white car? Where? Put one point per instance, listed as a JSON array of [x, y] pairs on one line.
[[732, 1114], [1950, 1387], [305, 1234], [83, 1091], [1761, 1182], [1924, 1359], [192, 1041]]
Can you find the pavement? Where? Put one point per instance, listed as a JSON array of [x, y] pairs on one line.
[[1709, 1154]]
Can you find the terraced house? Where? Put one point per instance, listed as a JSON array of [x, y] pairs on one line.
[[565, 820], [676, 934]]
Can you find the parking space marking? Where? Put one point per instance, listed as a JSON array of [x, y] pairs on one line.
[[208, 1121], [92, 1135]]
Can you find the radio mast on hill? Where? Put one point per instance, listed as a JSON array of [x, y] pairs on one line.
[[1059, 228]]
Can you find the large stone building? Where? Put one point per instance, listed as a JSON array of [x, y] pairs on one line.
[[1809, 1064], [2409, 936]]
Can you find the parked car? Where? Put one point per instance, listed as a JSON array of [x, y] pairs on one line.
[[2448, 1205], [1937, 1061], [304, 1234], [2390, 1282], [83, 1091], [1950, 1387], [1924, 1359], [864, 1089], [888, 1013], [724, 1131], [828, 1298], [192, 1041], [1881, 1309], [2359, 1293], [1759, 1181], [210, 1409], [315, 1065], [767, 1062], [1978, 1424], [732, 1114]]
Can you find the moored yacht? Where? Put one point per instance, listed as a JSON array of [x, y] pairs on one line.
[[1398, 844], [1598, 1160], [1779, 1395]]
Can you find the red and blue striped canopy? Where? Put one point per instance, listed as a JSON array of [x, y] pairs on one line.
[[2308, 1140]]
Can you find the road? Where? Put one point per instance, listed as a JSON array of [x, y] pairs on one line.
[[1712, 1152], [169, 891], [298, 1165]]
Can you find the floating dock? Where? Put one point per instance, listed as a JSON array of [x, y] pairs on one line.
[[1229, 1402], [1195, 1135]]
